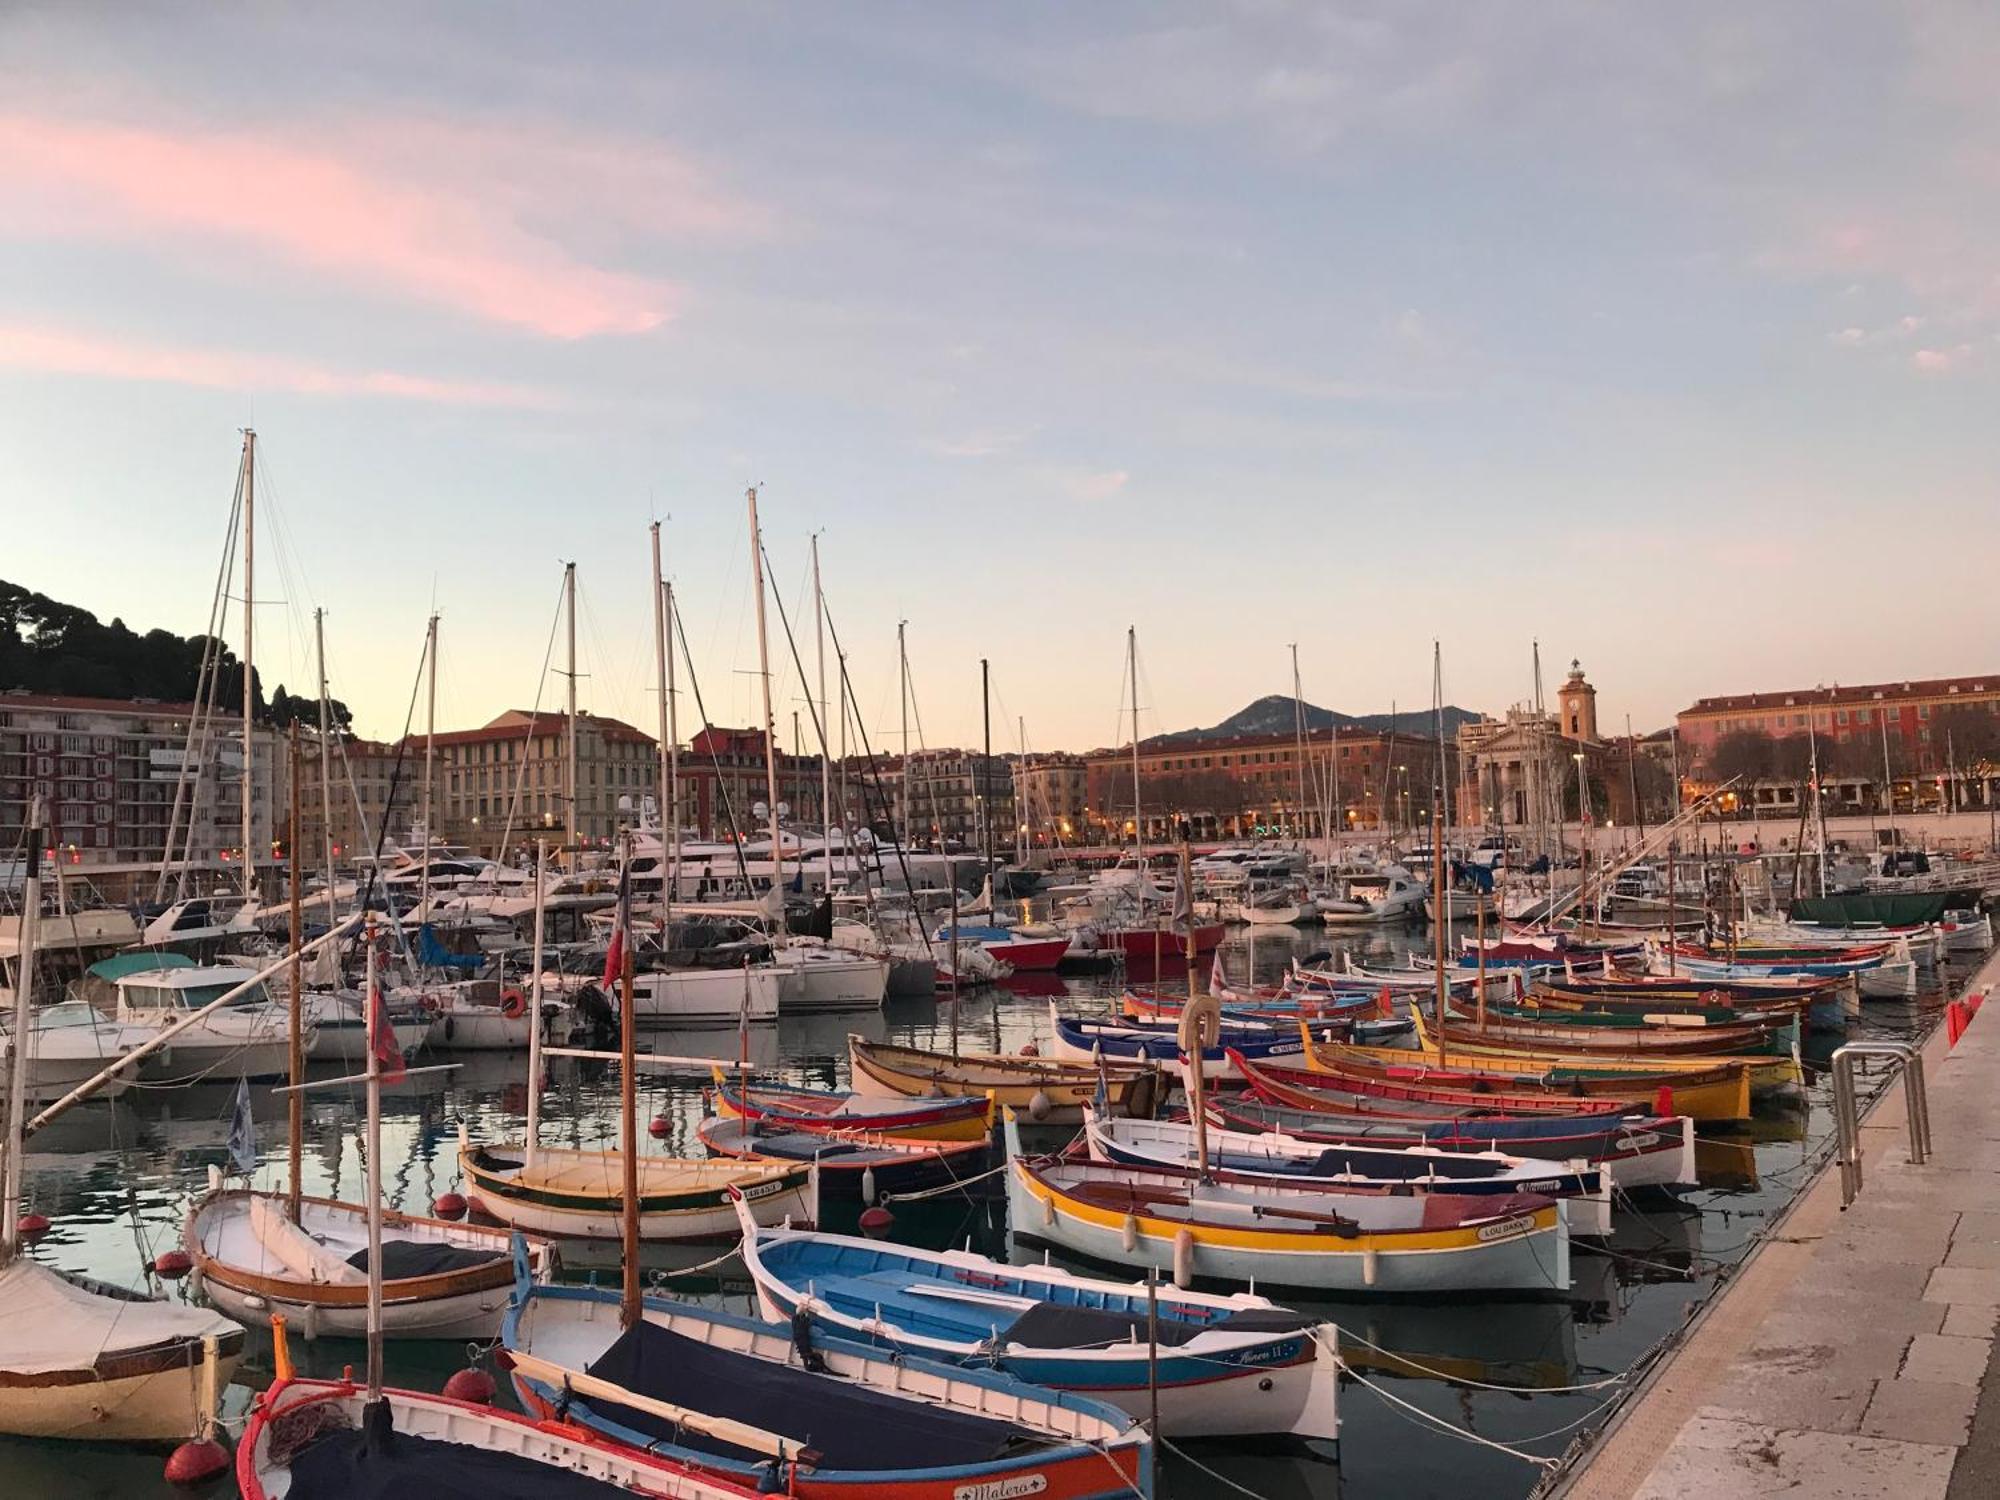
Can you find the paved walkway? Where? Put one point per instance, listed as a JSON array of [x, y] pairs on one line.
[[1853, 1355]]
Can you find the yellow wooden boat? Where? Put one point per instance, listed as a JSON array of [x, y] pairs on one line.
[[1702, 1088], [1768, 1074]]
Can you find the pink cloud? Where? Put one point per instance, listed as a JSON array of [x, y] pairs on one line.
[[61, 352], [483, 222], [1941, 361], [1099, 486]]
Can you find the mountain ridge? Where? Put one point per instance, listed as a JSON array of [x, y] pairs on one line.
[[1274, 714]]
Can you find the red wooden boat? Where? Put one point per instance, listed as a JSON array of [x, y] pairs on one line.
[[1163, 944]]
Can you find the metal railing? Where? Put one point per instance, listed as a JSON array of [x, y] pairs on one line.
[[1847, 1116]]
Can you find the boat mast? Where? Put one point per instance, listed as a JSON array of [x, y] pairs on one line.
[[825, 745], [295, 1102], [1138, 822], [670, 750], [1299, 737], [569, 606], [325, 767], [903, 666], [629, 1306], [430, 758], [23, 1027], [376, 1018], [535, 1007], [764, 681], [249, 671], [985, 801]]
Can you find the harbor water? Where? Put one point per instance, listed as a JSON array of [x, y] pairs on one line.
[[1446, 1398]]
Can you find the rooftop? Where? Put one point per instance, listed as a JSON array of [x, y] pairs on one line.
[[1928, 687]]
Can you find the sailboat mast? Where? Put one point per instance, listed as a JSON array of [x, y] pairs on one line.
[[569, 774], [535, 1006], [903, 669], [325, 766], [376, 1017], [825, 741], [430, 758], [1299, 734], [629, 1306], [986, 775], [764, 681], [249, 670], [295, 1102], [670, 821], [1138, 821], [23, 1026]]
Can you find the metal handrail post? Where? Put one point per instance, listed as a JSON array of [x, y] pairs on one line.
[[1846, 1115]]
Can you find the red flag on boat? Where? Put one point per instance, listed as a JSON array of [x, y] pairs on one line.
[[382, 1038], [1216, 983], [621, 928], [1385, 1007]]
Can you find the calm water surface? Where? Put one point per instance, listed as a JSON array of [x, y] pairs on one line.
[[116, 1180]]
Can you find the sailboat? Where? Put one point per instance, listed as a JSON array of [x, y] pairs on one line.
[[582, 1194], [310, 1439], [79, 1358], [260, 1252]]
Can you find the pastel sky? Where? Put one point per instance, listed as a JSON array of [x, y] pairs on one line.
[[1668, 334]]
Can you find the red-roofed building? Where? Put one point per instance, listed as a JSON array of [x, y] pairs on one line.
[[505, 783]]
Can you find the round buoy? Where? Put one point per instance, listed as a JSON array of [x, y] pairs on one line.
[[473, 1385], [1029, 1049], [32, 1226], [1040, 1105], [172, 1264], [449, 1206], [875, 1221], [197, 1461], [658, 1128]]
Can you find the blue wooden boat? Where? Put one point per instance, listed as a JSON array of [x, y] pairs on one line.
[[1228, 1365], [1085, 1039]]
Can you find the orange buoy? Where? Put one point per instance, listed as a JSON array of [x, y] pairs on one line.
[[513, 1004]]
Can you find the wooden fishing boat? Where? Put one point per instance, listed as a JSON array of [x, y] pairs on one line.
[[1144, 1004], [1432, 1094], [854, 1165], [309, 1439], [968, 1118], [1828, 1002], [1232, 1229], [1585, 1191], [578, 1195], [792, 1410], [1767, 1075], [1636, 1152], [1046, 1091], [439, 1280], [1634, 1036], [1701, 1087], [1084, 1039], [1227, 1364]]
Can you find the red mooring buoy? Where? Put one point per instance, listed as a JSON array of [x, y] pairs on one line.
[[197, 1461], [472, 1385], [658, 1127], [172, 1265], [32, 1226], [449, 1206], [876, 1221]]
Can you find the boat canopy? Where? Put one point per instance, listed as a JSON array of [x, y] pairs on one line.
[[125, 965], [1890, 908]]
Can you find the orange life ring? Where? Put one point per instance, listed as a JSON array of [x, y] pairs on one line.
[[513, 1004]]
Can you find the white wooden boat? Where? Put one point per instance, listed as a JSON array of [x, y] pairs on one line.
[[440, 1280], [576, 1194], [1237, 1230]]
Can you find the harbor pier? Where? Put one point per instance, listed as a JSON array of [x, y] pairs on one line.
[[1852, 1354]]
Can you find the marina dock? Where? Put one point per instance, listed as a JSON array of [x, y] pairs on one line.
[[1853, 1353]]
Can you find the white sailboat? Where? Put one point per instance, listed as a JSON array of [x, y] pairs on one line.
[[80, 1359]]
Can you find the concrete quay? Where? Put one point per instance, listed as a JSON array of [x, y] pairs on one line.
[[1852, 1355]]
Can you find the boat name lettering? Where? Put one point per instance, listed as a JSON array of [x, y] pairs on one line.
[[1507, 1228], [1546, 1185], [764, 1189], [1002, 1489]]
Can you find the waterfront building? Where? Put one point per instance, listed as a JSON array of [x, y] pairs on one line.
[[1524, 768], [107, 771], [723, 776], [500, 786], [1243, 786], [1051, 799]]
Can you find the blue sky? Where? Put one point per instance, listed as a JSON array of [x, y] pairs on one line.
[[1667, 335]]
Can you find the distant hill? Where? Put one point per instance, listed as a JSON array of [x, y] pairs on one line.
[[1273, 714]]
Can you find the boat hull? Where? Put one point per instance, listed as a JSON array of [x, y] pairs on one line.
[[696, 1215], [707, 997], [146, 1397], [1047, 1092]]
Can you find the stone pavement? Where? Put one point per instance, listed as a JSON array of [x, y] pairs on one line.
[[1852, 1356]]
